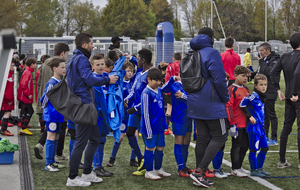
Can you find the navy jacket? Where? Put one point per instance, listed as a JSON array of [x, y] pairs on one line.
[[200, 104]]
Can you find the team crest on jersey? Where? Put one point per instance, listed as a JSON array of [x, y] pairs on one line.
[[160, 104], [52, 126], [122, 127]]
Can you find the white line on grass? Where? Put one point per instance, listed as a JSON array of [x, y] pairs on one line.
[[258, 179], [269, 151]]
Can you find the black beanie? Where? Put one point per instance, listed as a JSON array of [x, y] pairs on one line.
[[206, 30]]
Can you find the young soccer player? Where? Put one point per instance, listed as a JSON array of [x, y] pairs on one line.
[[237, 120], [253, 106], [8, 102], [181, 124], [25, 95], [109, 65], [52, 118], [153, 124]]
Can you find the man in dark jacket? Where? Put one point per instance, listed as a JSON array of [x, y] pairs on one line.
[[267, 60], [208, 106], [81, 82], [289, 64], [115, 46]]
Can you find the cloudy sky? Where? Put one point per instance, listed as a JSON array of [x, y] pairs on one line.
[[101, 3]]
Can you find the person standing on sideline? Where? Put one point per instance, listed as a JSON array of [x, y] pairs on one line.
[[81, 82], [289, 64], [115, 46], [266, 61], [247, 63]]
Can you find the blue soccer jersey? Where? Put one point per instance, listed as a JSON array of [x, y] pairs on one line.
[[127, 85], [179, 105], [139, 85], [153, 120], [256, 108]]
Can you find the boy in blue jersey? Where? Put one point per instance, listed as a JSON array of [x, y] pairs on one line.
[[181, 124], [153, 125], [98, 65], [134, 120], [52, 118], [253, 106]]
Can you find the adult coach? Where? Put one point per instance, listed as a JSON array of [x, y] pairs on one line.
[[266, 61], [212, 98], [115, 46], [80, 81], [289, 64], [230, 59]]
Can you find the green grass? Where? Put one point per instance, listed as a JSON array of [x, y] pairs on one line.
[[123, 179]]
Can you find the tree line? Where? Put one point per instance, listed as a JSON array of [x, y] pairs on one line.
[[242, 19]]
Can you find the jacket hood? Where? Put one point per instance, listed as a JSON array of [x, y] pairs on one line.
[[113, 47], [201, 41]]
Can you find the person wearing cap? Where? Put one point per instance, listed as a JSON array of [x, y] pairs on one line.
[[211, 119], [115, 46]]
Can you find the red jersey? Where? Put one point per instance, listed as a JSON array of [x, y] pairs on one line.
[[26, 86], [36, 81], [234, 112], [9, 93], [230, 60], [172, 70]]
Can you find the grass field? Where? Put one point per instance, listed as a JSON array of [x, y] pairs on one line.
[[123, 178]]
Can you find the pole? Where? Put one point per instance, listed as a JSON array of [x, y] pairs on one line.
[[211, 14], [266, 24], [219, 20]]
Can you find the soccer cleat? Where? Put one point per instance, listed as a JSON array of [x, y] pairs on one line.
[[6, 132], [38, 150], [134, 163], [25, 131], [9, 125], [140, 171], [200, 179], [168, 132], [110, 135], [29, 126], [250, 82], [141, 162], [244, 171], [188, 170], [256, 173], [92, 177], [238, 173], [183, 173], [261, 170], [102, 172], [220, 173], [58, 165], [62, 158], [161, 172], [209, 173], [77, 182], [283, 165], [152, 175], [19, 124], [272, 142], [111, 162], [51, 168]]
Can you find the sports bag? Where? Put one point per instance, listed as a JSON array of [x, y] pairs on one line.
[[191, 72]]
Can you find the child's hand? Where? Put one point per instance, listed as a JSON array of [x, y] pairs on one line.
[[178, 94], [9, 103], [125, 103], [113, 79], [30, 97], [252, 120], [294, 98], [177, 78], [281, 95]]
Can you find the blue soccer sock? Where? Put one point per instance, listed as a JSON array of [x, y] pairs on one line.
[[185, 153], [261, 159], [148, 160], [158, 159], [178, 156], [115, 150], [54, 149], [252, 160], [49, 146], [117, 135], [134, 146], [132, 156], [217, 161], [71, 145], [98, 157]]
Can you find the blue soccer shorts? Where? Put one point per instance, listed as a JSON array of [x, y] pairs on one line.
[[179, 129], [257, 142], [71, 125], [104, 129], [123, 127], [134, 120], [53, 127], [156, 140]]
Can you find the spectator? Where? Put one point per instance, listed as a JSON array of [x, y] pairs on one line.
[[115, 46]]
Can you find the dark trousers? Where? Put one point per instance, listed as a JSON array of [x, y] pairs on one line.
[[89, 137], [206, 150], [270, 115], [292, 111], [240, 145]]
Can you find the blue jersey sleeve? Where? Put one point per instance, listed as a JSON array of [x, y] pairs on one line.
[[247, 100], [146, 118], [167, 87], [44, 99]]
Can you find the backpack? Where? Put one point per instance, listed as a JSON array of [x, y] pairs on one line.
[[191, 72]]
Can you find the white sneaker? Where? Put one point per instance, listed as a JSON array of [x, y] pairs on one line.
[[220, 173], [161, 172], [238, 173], [92, 177], [152, 175], [244, 171], [51, 168], [77, 182]]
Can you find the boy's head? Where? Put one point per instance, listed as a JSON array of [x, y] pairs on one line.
[[295, 40], [98, 63], [44, 57], [109, 65], [61, 50], [176, 57], [261, 82], [31, 62], [145, 57], [229, 42], [241, 75], [154, 77], [58, 65], [22, 56], [128, 67], [112, 55]]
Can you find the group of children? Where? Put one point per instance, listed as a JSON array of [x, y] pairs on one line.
[[144, 111]]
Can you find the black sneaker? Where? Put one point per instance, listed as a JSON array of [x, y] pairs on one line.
[[134, 163], [200, 179], [102, 172], [111, 162]]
